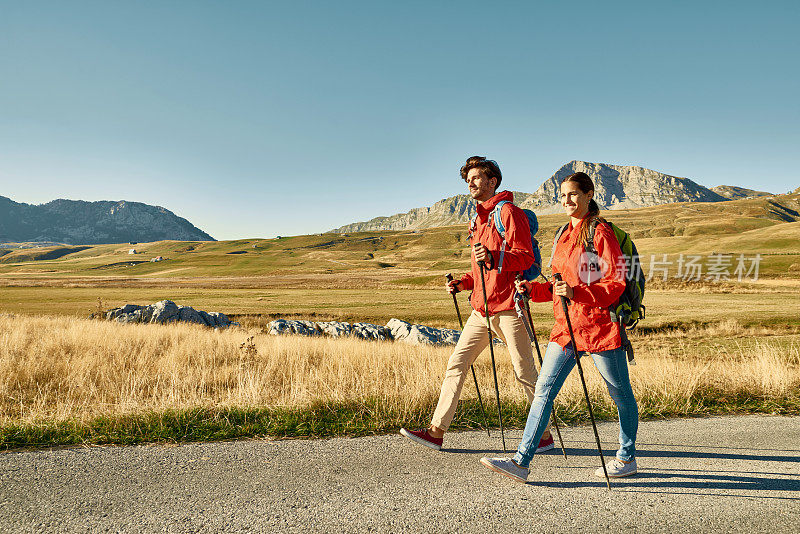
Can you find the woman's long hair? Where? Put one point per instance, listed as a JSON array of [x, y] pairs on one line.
[[585, 184]]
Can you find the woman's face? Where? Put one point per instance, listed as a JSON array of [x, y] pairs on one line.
[[575, 201]]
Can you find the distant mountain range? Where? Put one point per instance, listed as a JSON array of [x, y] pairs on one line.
[[616, 187], [77, 222]]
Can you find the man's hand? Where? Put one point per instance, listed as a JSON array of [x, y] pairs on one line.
[[482, 254], [562, 289], [452, 286]]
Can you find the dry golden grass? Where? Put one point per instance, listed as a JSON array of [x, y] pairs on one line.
[[57, 368]]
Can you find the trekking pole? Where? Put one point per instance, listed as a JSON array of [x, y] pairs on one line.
[[461, 324], [532, 334], [491, 351], [583, 382]]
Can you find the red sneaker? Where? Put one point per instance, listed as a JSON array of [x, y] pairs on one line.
[[423, 438], [546, 444]]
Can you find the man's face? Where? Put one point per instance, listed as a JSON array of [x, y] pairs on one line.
[[480, 187]]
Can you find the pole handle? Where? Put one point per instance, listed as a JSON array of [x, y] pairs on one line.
[[449, 278], [564, 300], [519, 279]]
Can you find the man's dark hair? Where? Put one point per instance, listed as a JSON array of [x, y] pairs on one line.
[[488, 168]]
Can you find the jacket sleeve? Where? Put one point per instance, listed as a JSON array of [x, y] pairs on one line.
[[467, 282], [608, 289], [541, 291], [519, 253]]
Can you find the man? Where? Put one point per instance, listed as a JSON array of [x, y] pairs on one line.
[[483, 177]]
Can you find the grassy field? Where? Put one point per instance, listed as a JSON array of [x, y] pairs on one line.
[[705, 347], [67, 380]]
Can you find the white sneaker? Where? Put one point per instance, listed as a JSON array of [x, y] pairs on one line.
[[507, 467], [617, 469]]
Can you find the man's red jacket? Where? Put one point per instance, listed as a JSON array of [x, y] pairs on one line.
[[518, 254]]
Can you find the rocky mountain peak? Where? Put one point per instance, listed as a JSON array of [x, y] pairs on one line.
[[620, 187], [616, 187]]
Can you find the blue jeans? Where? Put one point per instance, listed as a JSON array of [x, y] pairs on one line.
[[558, 362]]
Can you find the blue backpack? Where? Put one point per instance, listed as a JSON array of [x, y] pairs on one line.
[[534, 270]]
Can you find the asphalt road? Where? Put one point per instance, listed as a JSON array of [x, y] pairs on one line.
[[727, 474]]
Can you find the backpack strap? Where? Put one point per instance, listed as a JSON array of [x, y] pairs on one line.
[[498, 222], [559, 233], [498, 225], [473, 225], [589, 245]]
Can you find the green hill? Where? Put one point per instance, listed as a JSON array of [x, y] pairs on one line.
[[765, 225]]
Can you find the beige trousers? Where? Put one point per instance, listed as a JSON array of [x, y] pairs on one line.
[[474, 338]]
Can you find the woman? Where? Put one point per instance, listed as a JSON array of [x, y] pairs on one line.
[[591, 291]]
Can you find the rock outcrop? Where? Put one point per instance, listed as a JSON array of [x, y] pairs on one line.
[[167, 311], [616, 187], [733, 192], [395, 329], [330, 328], [417, 334]]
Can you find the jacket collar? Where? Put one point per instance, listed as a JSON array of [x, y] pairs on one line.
[[571, 228], [485, 208]]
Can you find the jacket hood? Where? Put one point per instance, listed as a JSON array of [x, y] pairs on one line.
[[484, 208]]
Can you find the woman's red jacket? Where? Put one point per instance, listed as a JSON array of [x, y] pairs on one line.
[[588, 312]]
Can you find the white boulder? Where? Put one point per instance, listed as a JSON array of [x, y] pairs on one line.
[[166, 311]]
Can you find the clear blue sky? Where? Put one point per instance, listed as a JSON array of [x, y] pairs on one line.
[[256, 119]]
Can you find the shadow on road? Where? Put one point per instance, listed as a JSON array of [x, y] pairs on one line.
[[694, 453], [677, 479], [639, 444], [673, 481]]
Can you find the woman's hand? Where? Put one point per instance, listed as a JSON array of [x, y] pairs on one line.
[[523, 287], [562, 289]]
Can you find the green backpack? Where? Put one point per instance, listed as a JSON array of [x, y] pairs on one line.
[[628, 310]]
